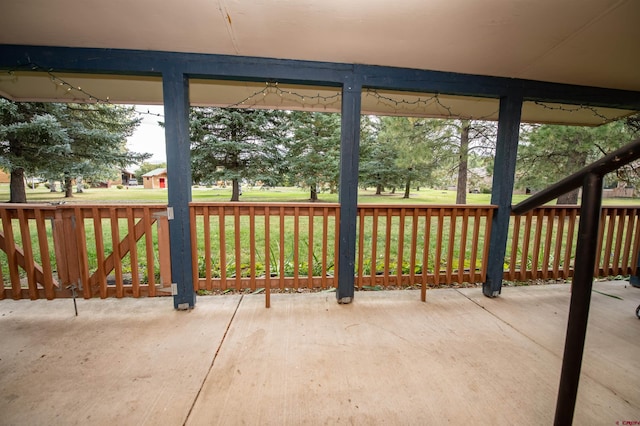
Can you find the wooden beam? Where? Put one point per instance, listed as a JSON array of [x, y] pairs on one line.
[[243, 68]]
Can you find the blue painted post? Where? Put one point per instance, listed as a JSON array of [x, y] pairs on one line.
[[175, 86], [503, 179], [635, 279], [349, 158]]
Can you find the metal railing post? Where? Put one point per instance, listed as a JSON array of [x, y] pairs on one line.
[[580, 298]]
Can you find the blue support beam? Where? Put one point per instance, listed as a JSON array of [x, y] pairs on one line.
[[349, 158], [503, 180], [175, 87], [243, 68]]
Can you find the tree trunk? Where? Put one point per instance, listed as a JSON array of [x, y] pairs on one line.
[[314, 193], [574, 162], [235, 192], [407, 189], [463, 164], [68, 187], [379, 189], [569, 197], [17, 191], [52, 186], [393, 190]]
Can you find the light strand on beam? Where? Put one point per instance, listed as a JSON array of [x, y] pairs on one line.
[[59, 82], [258, 98], [421, 104], [573, 109]]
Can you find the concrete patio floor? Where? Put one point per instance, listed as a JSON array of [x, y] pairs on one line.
[[460, 358]]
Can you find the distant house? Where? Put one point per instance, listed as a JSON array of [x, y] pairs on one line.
[[155, 179], [126, 177]]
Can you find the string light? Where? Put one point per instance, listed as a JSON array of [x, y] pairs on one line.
[[259, 97], [60, 82], [301, 99], [420, 104], [573, 109]]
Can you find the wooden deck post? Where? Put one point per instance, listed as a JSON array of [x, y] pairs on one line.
[[175, 87], [502, 190], [349, 158]]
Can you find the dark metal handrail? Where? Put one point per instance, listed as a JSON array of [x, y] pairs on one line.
[[591, 180]]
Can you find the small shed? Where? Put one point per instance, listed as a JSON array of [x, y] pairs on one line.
[[154, 179]]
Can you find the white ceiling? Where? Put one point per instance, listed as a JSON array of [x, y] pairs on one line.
[[582, 42]]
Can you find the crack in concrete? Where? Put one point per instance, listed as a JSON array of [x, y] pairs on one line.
[[213, 360]]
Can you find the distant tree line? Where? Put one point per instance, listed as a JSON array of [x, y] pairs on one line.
[[293, 148]]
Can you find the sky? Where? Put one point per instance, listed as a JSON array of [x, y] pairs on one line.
[[149, 136]]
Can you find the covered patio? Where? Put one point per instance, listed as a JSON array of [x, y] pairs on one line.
[[460, 357], [387, 359]]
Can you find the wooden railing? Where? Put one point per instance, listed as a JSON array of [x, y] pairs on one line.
[[95, 249], [264, 245], [123, 250], [542, 243], [407, 245]]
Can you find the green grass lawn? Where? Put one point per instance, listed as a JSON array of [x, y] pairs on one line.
[[279, 194]]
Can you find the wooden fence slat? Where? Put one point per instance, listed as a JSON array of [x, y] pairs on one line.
[[524, 262], [414, 247], [636, 250], [374, 246], [606, 258], [399, 267], [387, 246], [296, 246], [632, 213], [310, 250], [281, 252], [425, 255], [83, 261], [133, 252], [514, 248], [473, 263], [267, 258], [569, 245], [252, 247], [25, 234], [451, 243], [360, 248], [536, 244], [558, 244], [547, 243], [148, 243], [601, 230], [620, 222], [195, 267], [485, 248], [463, 245], [116, 255], [336, 247], [223, 245], [438, 253], [101, 276], [325, 245], [236, 234], [164, 250], [206, 225]]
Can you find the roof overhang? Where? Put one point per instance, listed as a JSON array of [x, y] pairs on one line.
[[573, 60]]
